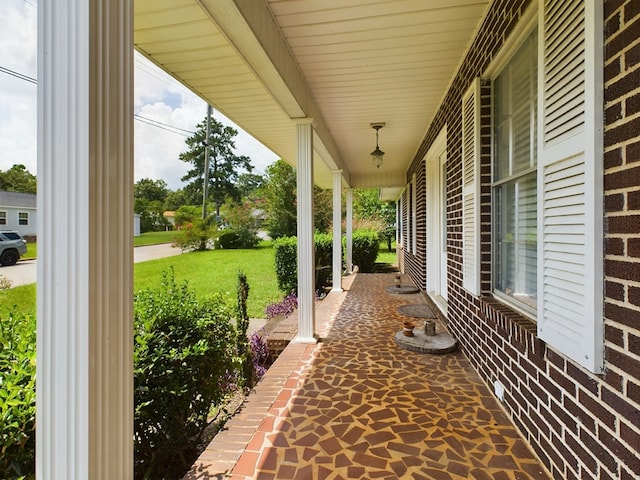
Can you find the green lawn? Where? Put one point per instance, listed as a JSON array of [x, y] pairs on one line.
[[206, 272], [154, 238], [21, 299], [384, 256], [32, 250], [216, 271]]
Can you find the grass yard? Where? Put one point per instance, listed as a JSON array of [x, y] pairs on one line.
[[384, 256], [154, 238], [20, 299], [206, 272], [216, 271]]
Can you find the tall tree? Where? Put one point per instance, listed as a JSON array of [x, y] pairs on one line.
[[280, 198], [249, 183], [148, 201], [381, 215], [224, 165], [151, 190], [18, 179], [281, 202]]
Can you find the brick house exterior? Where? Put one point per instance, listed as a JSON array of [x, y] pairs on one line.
[[582, 422]]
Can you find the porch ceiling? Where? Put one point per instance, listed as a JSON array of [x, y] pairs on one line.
[[344, 63]]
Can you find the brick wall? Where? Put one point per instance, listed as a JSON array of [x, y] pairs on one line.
[[580, 425]]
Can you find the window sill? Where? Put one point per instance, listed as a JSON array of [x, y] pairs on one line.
[[504, 314]]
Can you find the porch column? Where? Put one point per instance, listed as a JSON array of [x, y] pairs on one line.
[[84, 395], [337, 231], [306, 246], [349, 222]]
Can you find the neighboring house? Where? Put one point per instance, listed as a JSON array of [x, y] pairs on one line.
[[170, 216], [18, 212]]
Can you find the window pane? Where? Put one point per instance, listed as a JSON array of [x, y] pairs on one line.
[[3, 218], [515, 113], [515, 179], [515, 274]]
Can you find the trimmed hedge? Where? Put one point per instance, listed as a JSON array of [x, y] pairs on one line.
[[286, 255], [365, 247], [366, 244], [286, 251], [17, 396]]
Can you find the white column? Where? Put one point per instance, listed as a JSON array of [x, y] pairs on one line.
[[349, 222], [337, 231], [84, 394], [306, 246]]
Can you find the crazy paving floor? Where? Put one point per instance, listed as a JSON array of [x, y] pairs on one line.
[[357, 406]]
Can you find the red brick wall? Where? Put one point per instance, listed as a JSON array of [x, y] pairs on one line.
[[581, 425]]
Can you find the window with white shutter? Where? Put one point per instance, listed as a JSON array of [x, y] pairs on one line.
[[570, 282], [471, 188], [414, 215]]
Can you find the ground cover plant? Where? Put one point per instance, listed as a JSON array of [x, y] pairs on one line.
[[17, 395]]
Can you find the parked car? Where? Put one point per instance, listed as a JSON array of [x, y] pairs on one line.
[[12, 247]]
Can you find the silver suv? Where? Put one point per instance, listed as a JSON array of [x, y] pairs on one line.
[[12, 246]]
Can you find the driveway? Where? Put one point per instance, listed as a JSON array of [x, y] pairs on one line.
[[24, 272]]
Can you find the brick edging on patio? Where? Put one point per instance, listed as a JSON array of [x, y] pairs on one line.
[[271, 394]]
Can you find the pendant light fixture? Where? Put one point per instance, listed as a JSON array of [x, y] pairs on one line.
[[377, 154]]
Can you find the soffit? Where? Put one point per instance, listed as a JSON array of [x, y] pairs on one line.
[[345, 63]]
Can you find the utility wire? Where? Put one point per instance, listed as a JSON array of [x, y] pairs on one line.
[[13, 73], [149, 121], [163, 126]]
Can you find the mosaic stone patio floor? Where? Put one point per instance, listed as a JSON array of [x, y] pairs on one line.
[[357, 406]]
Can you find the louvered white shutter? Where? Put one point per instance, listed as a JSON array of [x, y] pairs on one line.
[[471, 188], [570, 231]]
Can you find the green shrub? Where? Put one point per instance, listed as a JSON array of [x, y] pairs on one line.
[[231, 239], [242, 325], [196, 235], [184, 364], [17, 396], [324, 256], [286, 251], [365, 247], [243, 224]]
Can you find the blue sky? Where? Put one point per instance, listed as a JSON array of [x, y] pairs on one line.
[[157, 97]]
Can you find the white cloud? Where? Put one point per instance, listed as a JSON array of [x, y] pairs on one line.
[[157, 96], [18, 97]]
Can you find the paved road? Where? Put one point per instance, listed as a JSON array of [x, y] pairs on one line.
[[24, 272]]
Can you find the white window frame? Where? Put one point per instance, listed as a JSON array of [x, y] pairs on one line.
[[3, 217], [20, 219]]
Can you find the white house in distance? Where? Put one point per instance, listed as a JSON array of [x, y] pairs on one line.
[[18, 212]]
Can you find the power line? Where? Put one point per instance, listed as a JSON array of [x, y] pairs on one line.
[[13, 73], [163, 126]]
